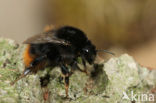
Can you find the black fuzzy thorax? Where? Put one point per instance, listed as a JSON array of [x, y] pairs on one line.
[[75, 36], [79, 40]]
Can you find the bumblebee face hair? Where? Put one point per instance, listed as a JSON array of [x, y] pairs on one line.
[[89, 53]]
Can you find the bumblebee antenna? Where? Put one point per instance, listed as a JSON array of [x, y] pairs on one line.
[[106, 52]]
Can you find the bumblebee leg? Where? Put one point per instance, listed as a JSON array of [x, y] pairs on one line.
[[84, 63], [85, 67], [26, 72], [37, 60], [45, 80], [74, 65], [28, 69], [66, 85], [60, 79], [65, 73], [34, 63]]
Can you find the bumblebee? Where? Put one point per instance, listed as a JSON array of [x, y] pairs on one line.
[[58, 47]]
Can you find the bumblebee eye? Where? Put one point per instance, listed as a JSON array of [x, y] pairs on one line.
[[87, 50]]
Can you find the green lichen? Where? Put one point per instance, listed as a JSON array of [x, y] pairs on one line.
[[7, 92], [105, 83]]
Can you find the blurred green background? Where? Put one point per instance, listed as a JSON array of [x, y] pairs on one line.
[[117, 25]]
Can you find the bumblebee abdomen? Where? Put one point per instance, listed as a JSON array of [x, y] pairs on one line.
[[27, 56]]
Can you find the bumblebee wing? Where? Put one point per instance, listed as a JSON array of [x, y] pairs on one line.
[[45, 37]]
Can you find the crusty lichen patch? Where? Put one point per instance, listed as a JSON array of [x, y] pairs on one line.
[[7, 93], [106, 85]]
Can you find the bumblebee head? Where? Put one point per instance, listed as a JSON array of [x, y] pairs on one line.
[[89, 52]]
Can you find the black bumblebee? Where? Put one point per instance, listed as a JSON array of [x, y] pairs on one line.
[[58, 47]]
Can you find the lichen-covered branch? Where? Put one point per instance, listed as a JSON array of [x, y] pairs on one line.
[[105, 84]]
